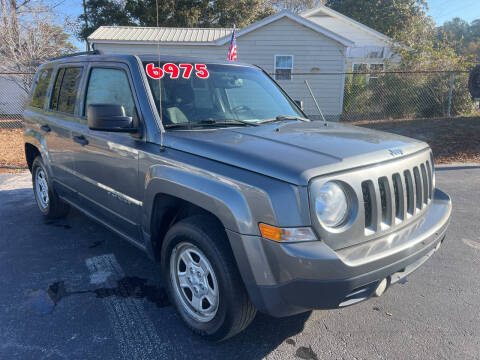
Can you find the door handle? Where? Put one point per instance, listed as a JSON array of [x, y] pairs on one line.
[[45, 128], [80, 140]]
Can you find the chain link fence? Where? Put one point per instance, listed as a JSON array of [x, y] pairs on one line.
[[14, 88], [387, 95], [341, 96], [407, 95]]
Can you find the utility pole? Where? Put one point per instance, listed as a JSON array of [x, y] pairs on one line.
[[84, 3]]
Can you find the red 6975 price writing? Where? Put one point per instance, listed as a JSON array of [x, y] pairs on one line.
[[174, 70]]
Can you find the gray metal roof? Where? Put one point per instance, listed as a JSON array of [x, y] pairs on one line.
[[160, 34]]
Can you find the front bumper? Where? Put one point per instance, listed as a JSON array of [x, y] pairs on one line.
[[285, 279]]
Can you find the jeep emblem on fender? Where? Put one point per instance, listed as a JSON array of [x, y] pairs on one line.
[[395, 152]]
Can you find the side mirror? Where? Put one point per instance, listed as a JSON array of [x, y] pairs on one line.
[[109, 117], [299, 103]]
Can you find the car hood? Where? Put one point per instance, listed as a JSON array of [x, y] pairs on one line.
[[294, 151]]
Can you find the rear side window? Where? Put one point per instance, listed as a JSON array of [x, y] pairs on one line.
[[41, 87], [110, 86], [66, 88]]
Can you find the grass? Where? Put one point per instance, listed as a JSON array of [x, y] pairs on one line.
[[452, 140], [12, 153]]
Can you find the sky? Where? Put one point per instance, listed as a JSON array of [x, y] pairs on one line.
[[440, 10], [444, 10]]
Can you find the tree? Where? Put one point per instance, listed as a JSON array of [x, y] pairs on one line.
[[173, 13], [393, 18], [29, 38], [101, 12], [226, 13], [296, 6], [416, 40], [457, 32], [463, 37]]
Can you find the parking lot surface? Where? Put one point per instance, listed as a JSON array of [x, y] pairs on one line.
[[70, 289]]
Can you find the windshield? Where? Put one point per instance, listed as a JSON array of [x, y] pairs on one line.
[[216, 94]]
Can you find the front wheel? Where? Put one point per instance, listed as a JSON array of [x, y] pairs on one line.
[[203, 281]]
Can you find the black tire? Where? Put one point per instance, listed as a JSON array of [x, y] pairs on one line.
[[235, 310], [54, 208]]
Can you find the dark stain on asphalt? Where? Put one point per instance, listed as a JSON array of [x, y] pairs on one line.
[[137, 288], [43, 302], [57, 224], [306, 353], [96, 243]]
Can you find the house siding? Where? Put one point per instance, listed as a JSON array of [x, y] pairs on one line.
[[361, 38], [12, 98], [312, 52], [354, 33]]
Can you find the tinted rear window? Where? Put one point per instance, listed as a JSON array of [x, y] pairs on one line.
[[41, 87], [66, 88]]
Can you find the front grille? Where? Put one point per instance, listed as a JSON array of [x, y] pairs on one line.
[[390, 195], [398, 197], [367, 200]]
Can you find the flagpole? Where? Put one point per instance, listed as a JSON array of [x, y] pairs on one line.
[[231, 42], [231, 39]]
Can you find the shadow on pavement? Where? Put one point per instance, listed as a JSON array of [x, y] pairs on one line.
[[260, 339], [76, 238]]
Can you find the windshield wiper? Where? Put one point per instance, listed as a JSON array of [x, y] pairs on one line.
[[177, 125], [226, 122], [210, 122], [283, 118]]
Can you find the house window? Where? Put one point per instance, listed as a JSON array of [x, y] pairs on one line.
[[361, 67], [375, 68], [283, 67]]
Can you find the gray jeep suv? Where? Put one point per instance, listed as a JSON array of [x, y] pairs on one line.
[[212, 170]]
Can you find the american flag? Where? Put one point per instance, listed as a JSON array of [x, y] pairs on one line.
[[232, 50]]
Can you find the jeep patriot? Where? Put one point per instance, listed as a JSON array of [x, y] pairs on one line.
[[214, 171]]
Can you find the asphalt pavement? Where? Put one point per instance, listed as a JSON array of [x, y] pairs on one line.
[[70, 289]]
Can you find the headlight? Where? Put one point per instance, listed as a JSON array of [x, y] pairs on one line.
[[331, 204]]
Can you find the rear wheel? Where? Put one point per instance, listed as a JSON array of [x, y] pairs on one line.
[[48, 202], [203, 281]]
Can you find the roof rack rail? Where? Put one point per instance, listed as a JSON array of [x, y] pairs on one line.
[[93, 52]]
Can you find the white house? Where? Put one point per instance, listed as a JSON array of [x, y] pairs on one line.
[[371, 49], [318, 41]]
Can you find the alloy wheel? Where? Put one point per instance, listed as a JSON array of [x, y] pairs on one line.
[[194, 282], [41, 187]]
